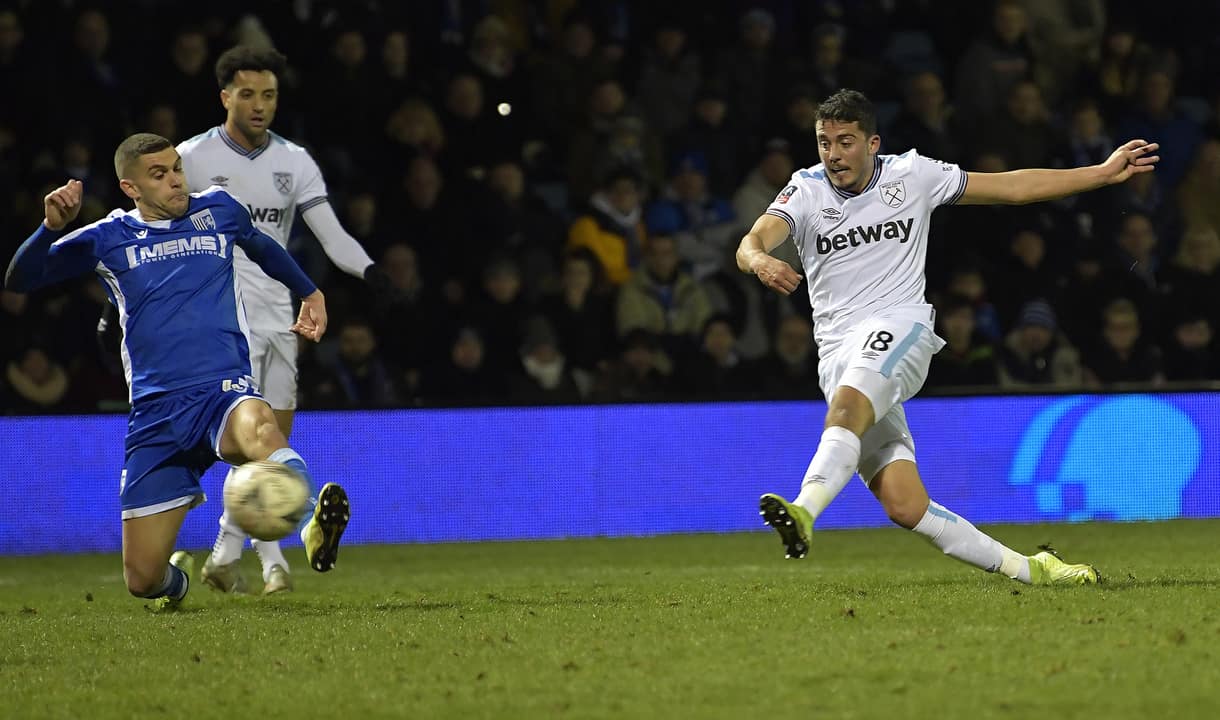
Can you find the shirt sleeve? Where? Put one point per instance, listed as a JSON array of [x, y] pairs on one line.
[[265, 251], [311, 190], [943, 183], [793, 204], [48, 257]]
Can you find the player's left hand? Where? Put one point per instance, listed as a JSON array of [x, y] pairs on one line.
[[311, 322], [1136, 156]]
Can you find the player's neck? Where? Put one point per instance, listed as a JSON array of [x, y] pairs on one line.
[[865, 178], [151, 214], [247, 142]]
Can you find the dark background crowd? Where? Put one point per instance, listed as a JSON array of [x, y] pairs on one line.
[[556, 188]]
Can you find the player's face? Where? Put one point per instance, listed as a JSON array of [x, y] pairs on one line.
[[251, 100], [158, 185], [847, 153]]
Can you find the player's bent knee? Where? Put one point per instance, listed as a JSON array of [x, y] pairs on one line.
[[906, 513], [142, 582]]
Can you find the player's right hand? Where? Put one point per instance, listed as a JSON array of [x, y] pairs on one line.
[[62, 205], [311, 322], [775, 273]]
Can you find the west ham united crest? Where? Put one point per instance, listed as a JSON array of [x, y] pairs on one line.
[[283, 182], [893, 193]]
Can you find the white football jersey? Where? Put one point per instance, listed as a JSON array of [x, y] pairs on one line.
[[865, 253], [274, 182]]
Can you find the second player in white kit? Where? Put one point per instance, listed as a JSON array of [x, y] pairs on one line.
[[860, 222], [276, 180]]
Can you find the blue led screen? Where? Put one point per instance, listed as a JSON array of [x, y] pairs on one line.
[[540, 473]]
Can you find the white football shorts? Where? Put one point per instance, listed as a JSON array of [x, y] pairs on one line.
[[273, 361], [886, 358]]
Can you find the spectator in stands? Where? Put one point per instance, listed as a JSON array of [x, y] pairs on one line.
[[612, 136], [580, 311], [1037, 354], [715, 369], [663, 299], [1191, 354], [749, 72], [1027, 274], [703, 224], [994, 63], [927, 122], [1197, 195], [358, 378], [1022, 130], [967, 359], [33, 383], [642, 371], [545, 377], [1192, 279], [462, 377], [710, 135], [1123, 355], [613, 226], [188, 84], [1155, 116], [670, 75], [790, 370], [517, 223]]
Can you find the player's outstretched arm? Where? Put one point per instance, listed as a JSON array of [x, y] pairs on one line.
[[41, 260], [753, 255], [342, 249], [1019, 187]]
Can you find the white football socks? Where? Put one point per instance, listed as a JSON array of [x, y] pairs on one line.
[[229, 541], [270, 554], [832, 466], [957, 538]]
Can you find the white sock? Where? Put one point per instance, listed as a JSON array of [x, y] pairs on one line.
[[831, 467], [959, 539], [270, 555], [229, 541]]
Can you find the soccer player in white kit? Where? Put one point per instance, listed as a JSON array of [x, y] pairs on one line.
[[860, 221], [275, 179]]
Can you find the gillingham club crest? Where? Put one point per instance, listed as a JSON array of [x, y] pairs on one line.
[[893, 193]]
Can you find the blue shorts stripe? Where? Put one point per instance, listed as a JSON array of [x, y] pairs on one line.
[[888, 366]]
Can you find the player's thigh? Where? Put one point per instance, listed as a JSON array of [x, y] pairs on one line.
[[887, 360], [249, 432], [887, 466], [275, 371]]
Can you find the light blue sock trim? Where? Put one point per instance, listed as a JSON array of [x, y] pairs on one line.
[[284, 456], [940, 512]]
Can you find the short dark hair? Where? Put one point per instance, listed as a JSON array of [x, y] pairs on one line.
[[850, 106], [248, 57], [135, 146]]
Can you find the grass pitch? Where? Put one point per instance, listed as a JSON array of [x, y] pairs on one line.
[[874, 624]]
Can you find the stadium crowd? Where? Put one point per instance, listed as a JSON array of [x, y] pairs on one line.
[[556, 188]]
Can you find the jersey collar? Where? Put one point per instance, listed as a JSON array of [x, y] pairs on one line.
[[248, 154], [872, 183]]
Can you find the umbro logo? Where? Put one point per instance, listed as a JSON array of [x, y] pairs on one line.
[[831, 214], [220, 180]]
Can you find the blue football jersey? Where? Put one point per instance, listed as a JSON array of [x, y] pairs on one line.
[[179, 302]]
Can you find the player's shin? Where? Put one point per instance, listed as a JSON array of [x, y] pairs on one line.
[[958, 538], [230, 539], [288, 456], [832, 466]]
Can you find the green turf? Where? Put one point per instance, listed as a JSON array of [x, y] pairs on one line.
[[876, 624]]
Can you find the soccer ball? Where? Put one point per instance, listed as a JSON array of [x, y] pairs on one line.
[[266, 499]]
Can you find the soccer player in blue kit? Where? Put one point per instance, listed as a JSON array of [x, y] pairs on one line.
[[168, 267]]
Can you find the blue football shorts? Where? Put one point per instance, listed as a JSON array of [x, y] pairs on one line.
[[172, 439]]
